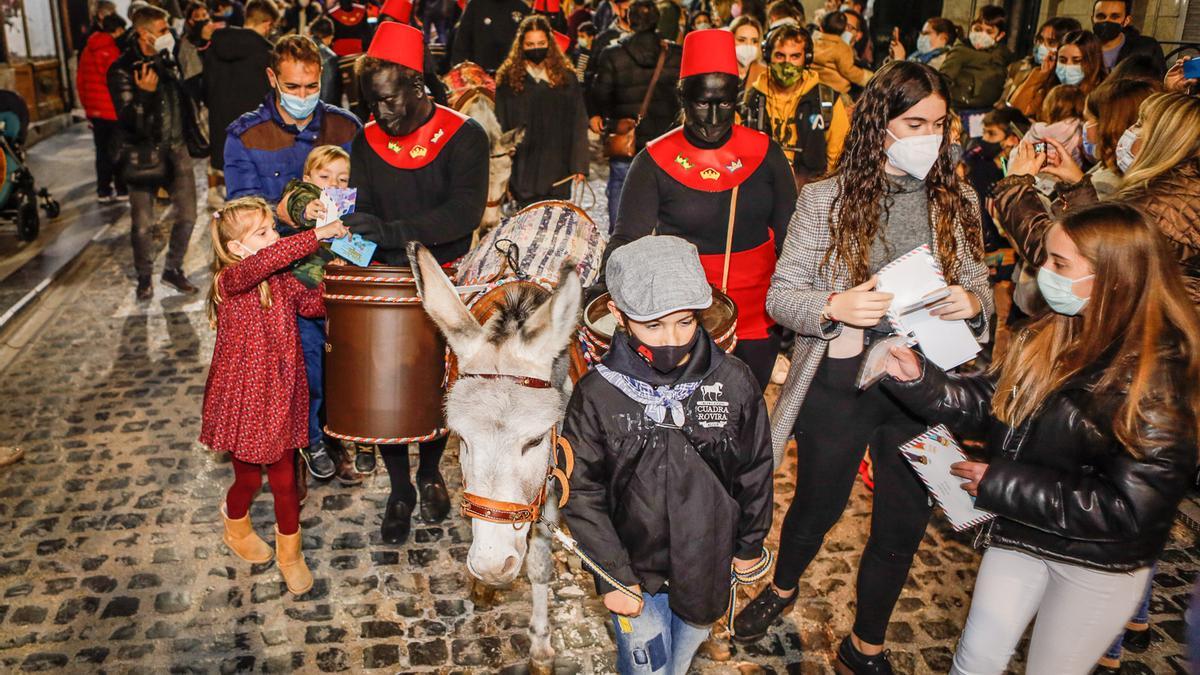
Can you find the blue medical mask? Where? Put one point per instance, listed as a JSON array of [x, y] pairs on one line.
[[924, 44], [1040, 53], [1089, 148], [1059, 291], [299, 107], [1068, 74]]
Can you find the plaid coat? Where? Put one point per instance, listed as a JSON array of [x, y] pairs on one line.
[[799, 291]]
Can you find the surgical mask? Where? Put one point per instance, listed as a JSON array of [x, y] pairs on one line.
[[1124, 149], [786, 74], [1040, 53], [1089, 148], [1059, 291], [924, 44], [914, 155], [666, 358], [981, 40], [1069, 74], [536, 55], [1107, 31], [299, 107], [702, 25], [848, 37], [746, 54], [246, 250], [165, 43]]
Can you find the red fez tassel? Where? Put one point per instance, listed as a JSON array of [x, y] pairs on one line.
[[708, 51], [400, 10], [563, 41], [399, 43]]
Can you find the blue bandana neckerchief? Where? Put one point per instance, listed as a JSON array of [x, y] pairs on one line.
[[657, 400]]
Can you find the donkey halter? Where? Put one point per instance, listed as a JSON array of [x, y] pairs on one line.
[[515, 514]]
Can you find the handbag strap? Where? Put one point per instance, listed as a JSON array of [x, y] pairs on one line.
[[658, 68]]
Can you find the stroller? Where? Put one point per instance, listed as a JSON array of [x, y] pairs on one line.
[[19, 197]]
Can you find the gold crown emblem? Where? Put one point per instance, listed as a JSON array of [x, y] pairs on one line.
[[395, 147], [683, 161], [418, 152], [734, 165], [710, 174], [438, 136]]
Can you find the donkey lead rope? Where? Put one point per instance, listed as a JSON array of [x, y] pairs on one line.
[[744, 578], [571, 545]]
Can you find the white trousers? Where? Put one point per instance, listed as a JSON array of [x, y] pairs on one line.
[[1079, 613]]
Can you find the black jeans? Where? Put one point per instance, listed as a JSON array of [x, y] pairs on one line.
[[760, 356], [836, 424], [104, 135]]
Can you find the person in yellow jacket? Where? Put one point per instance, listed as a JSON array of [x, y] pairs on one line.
[[808, 119]]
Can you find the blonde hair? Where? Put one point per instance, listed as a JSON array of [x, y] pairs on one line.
[[322, 156], [1170, 136], [229, 223]]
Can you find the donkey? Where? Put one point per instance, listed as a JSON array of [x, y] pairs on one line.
[[503, 146], [511, 394]]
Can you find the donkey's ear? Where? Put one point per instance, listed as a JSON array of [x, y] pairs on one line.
[[442, 303], [551, 327]]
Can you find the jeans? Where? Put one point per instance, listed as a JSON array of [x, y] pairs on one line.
[[104, 135], [312, 344], [1079, 610], [656, 641], [141, 203], [617, 170], [1141, 617]]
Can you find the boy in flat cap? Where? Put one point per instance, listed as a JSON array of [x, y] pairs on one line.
[[672, 482]]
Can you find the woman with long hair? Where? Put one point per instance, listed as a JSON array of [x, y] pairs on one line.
[[1044, 43], [894, 189], [1077, 61], [1091, 433], [536, 89]]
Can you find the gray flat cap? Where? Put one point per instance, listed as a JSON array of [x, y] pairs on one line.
[[654, 276]]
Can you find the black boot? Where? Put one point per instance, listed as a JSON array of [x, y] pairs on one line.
[[145, 289], [435, 498], [850, 661], [176, 279], [397, 521], [752, 622]]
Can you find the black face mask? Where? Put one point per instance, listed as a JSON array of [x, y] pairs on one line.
[[986, 149], [1107, 31], [396, 97], [709, 102], [536, 55], [666, 358], [196, 29]]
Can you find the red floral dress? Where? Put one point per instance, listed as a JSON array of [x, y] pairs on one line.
[[256, 398]]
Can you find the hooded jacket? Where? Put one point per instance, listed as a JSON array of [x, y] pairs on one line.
[[664, 506], [100, 52], [976, 75], [623, 73], [235, 77]]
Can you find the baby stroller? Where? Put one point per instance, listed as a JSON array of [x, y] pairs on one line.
[[19, 197]]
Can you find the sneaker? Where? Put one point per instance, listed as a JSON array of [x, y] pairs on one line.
[[176, 279], [364, 459], [850, 661], [752, 622], [106, 199], [145, 290], [317, 459], [122, 196]]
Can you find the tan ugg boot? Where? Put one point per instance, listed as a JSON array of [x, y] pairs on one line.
[[290, 560], [243, 541]]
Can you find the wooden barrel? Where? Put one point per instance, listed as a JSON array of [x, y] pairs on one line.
[[384, 358]]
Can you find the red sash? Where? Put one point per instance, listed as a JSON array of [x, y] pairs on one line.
[[716, 170], [418, 149], [749, 278], [352, 18]]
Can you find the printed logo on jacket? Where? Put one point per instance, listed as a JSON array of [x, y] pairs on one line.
[[711, 411]]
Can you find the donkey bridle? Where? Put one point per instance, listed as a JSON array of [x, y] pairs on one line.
[[495, 511]]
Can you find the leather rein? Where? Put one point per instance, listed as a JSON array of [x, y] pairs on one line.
[[512, 513]]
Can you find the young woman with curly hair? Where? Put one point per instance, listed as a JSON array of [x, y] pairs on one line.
[[894, 189], [536, 89]]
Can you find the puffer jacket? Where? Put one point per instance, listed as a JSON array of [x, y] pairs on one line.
[[623, 73], [235, 79], [1172, 201], [976, 75], [98, 55], [1062, 485]]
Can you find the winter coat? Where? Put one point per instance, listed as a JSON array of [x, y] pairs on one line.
[[235, 78], [658, 503], [98, 55], [816, 130], [144, 117], [256, 397], [486, 31], [1171, 201], [833, 60], [555, 145], [623, 73], [1063, 486], [976, 75], [1136, 43], [262, 152]]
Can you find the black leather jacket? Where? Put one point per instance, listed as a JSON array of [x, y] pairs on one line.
[[623, 71], [1063, 485], [140, 113]]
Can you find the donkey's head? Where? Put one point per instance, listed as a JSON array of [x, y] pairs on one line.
[[504, 426]]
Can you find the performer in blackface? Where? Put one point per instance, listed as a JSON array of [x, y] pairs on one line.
[[685, 182], [422, 175]]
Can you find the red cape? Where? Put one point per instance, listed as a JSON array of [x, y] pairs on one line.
[[418, 149], [716, 170]]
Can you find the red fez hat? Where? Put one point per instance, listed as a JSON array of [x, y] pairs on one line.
[[399, 43], [563, 41], [400, 10], [708, 51]]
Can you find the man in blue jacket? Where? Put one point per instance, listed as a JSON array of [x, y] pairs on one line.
[[266, 148]]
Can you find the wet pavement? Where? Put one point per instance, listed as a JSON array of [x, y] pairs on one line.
[[111, 558]]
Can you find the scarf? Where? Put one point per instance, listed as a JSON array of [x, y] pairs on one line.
[[657, 400]]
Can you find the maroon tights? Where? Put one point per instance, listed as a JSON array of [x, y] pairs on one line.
[[247, 479]]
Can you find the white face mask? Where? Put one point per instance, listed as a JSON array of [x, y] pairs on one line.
[[1124, 149], [914, 155], [848, 38], [245, 251], [981, 40], [746, 54], [165, 43]]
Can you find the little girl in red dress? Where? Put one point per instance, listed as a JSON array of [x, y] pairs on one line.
[[256, 398]]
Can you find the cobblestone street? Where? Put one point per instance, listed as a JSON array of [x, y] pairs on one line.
[[111, 557]]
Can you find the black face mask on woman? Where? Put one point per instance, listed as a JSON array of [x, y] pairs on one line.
[[536, 55]]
